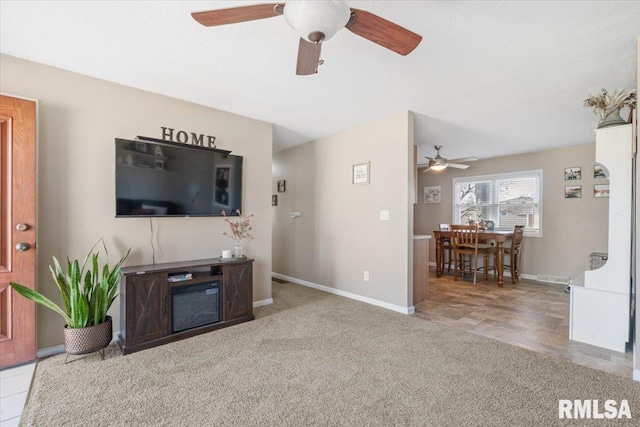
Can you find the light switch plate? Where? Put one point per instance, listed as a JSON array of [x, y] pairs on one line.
[[384, 215]]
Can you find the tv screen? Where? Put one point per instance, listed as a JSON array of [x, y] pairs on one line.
[[171, 179]]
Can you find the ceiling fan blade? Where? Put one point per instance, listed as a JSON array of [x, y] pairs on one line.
[[308, 57], [458, 166], [383, 32], [426, 169], [212, 18], [429, 158], [464, 159]]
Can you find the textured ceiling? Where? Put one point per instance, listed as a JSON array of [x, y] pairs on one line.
[[489, 78]]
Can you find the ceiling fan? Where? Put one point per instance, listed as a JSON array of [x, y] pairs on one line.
[[317, 22], [439, 163]]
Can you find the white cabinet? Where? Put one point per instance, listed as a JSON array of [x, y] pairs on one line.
[[600, 300]]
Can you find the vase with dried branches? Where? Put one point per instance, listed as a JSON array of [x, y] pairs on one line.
[[608, 105], [239, 230]]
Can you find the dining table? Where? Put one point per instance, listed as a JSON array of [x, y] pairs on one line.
[[500, 237]]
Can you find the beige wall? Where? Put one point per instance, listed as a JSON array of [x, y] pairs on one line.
[[340, 234], [572, 228], [79, 117]]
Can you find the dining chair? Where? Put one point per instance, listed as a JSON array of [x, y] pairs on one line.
[[514, 252], [446, 246], [466, 243]]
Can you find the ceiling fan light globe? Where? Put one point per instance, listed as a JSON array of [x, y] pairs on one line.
[[310, 18], [439, 167]]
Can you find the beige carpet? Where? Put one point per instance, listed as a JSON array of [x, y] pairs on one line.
[[315, 359]]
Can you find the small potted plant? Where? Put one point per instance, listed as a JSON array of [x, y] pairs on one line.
[[240, 229], [87, 294], [608, 104]]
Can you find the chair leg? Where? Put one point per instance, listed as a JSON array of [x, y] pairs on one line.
[[449, 265], [485, 266], [474, 262], [455, 268]]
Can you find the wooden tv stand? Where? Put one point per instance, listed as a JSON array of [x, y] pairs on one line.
[[145, 299]]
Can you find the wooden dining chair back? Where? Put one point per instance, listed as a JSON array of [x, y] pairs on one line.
[[465, 243], [447, 247], [514, 252]]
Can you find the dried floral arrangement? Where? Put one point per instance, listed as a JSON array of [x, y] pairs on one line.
[[604, 102], [239, 228]]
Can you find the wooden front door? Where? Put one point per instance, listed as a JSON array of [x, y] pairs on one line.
[[17, 229]]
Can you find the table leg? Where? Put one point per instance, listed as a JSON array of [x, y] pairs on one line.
[[438, 257], [500, 264]]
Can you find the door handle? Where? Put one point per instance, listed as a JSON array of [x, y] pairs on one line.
[[23, 246]]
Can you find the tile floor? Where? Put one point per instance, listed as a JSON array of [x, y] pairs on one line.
[[530, 315], [14, 387]]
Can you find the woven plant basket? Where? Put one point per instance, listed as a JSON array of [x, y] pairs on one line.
[[89, 339]]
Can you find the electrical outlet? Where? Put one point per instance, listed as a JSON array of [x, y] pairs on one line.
[[384, 215], [366, 276]]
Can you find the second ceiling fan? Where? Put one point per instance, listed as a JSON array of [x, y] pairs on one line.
[[317, 22], [439, 163]]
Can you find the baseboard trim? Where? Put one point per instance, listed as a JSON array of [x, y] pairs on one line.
[[388, 306], [262, 302], [636, 374], [50, 351]]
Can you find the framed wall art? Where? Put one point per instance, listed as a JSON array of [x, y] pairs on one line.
[[600, 190], [572, 174], [360, 173], [274, 200], [281, 186], [432, 194], [573, 191], [598, 171]]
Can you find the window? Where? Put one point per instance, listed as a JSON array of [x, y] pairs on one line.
[[508, 200]]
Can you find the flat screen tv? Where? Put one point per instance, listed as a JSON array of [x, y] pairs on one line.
[[161, 178]]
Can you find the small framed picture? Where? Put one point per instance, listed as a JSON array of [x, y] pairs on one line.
[[281, 186], [360, 173], [274, 200], [598, 171], [600, 190], [432, 194], [573, 191], [572, 174]]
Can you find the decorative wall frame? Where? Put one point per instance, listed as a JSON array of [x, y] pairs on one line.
[[598, 172], [573, 173], [360, 173], [281, 186], [274, 200], [432, 194], [600, 191], [573, 192]]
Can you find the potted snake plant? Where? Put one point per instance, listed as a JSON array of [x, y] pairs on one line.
[[87, 294]]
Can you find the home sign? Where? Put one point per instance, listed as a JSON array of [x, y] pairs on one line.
[[169, 134]]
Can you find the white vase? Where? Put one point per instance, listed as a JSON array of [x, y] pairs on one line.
[[237, 251]]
